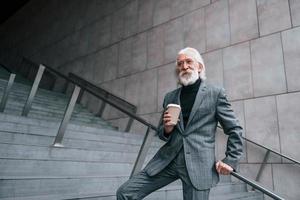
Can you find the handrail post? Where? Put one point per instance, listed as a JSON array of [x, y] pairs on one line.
[[130, 121], [142, 152], [67, 117], [80, 96], [7, 91], [103, 105], [33, 91], [263, 165], [101, 110]]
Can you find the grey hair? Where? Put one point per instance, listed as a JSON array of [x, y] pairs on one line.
[[193, 53]]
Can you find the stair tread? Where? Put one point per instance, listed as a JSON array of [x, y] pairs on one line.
[[112, 194]]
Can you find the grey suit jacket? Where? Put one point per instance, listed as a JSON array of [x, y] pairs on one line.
[[198, 137]]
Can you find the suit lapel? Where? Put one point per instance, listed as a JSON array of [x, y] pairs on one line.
[[198, 100]]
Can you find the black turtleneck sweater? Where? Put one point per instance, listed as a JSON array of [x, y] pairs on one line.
[[187, 99]]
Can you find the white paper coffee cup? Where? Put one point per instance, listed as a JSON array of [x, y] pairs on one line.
[[174, 111]]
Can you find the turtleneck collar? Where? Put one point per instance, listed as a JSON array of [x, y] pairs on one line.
[[192, 87]]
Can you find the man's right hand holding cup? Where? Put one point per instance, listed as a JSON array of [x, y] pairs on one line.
[[169, 126], [170, 117]]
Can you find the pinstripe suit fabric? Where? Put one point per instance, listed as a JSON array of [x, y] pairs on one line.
[[196, 141]]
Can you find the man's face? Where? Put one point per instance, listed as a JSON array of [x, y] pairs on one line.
[[187, 69]]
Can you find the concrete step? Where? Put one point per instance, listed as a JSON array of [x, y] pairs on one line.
[[88, 187], [47, 107], [27, 88], [61, 168], [50, 116], [159, 195], [38, 140], [41, 93], [73, 134], [31, 139], [47, 153], [21, 187], [38, 99], [41, 127], [40, 96], [97, 123]]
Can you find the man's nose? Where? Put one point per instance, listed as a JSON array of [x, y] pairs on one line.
[[185, 66]]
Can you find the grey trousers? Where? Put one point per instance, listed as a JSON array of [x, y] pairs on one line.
[[140, 185]]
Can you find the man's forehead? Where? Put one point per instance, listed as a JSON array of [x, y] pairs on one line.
[[184, 57]]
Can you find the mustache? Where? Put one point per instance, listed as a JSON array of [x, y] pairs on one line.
[[185, 73]]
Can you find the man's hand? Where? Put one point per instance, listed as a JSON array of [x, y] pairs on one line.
[[167, 123], [223, 168]]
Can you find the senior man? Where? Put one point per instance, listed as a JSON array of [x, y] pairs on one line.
[[189, 151]]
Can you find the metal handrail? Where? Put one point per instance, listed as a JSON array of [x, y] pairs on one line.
[[256, 186], [267, 148], [106, 95], [5, 67], [273, 151], [75, 79], [130, 114]]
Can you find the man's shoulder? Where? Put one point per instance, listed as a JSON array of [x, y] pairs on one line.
[[172, 93], [214, 88]]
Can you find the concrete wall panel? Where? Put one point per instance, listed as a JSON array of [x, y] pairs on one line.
[[125, 57], [243, 20], [167, 81], [287, 181], [173, 39], [100, 34], [132, 89], [117, 26], [194, 30], [131, 18], [179, 7], [139, 52], [110, 63], [214, 67], [147, 94], [155, 47], [194, 4], [161, 12], [273, 16], [99, 67], [261, 126], [116, 87], [237, 71], [291, 50], [145, 17], [267, 65], [217, 25], [295, 7], [288, 116]]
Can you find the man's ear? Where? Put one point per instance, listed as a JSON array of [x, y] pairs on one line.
[[200, 67]]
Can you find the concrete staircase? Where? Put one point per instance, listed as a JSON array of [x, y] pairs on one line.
[[96, 159]]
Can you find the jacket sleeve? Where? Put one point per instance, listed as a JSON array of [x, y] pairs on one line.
[[161, 131], [231, 127]]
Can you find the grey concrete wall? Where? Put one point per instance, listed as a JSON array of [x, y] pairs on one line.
[[251, 47]]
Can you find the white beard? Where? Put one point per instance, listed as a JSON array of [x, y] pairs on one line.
[[188, 78]]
